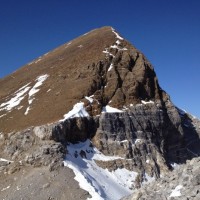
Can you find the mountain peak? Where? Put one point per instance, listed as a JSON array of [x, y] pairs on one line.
[[100, 63], [98, 97]]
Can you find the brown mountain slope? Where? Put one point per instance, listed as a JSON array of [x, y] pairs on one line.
[[99, 63]]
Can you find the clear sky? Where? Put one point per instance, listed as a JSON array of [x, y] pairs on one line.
[[166, 31]]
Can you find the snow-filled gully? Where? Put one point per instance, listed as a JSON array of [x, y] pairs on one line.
[[100, 183]]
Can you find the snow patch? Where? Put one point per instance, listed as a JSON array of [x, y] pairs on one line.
[[111, 66], [117, 35], [38, 60], [16, 100], [20, 107], [2, 115], [138, 141], [90, 99], [77, 111], [67, 44], [147, 102], [116, 47], [118, 42], [147, 161], [27, 110], [123, 141], [100, 183], [174, 165], [108, 53], [176, 192], [109, 109], [5, 188], [5, 160], [35, 89], [39, 81], [80, 46]]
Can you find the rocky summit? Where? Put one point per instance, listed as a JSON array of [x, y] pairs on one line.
[[89, 120]]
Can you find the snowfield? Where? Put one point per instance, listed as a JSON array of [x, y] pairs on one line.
[[100, 183]]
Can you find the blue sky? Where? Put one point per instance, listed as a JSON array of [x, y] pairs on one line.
[[167, 32]]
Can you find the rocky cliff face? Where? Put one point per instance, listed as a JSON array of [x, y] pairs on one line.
[[111, 95]]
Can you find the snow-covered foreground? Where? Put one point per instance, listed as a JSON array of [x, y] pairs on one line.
[[99, 182]]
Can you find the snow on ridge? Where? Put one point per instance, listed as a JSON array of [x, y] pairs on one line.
[[39, 81], [109, 109], [77, 111], [16, 100], [117, 35], [67, 45], [116, 47], [38, 60], [99, 182]]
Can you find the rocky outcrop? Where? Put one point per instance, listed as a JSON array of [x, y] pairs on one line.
[[26, 149], [183, 183], [75, 129]]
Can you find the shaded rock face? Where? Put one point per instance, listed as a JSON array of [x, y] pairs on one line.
[[75, 129]]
